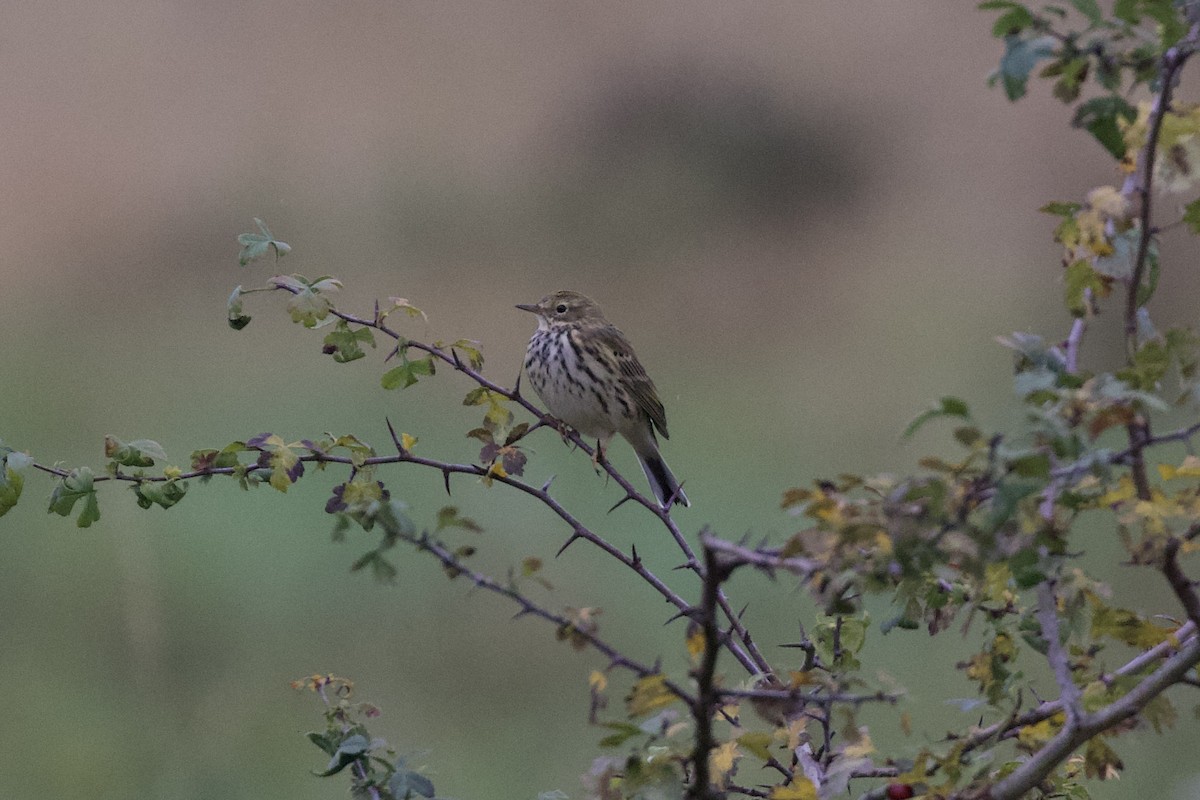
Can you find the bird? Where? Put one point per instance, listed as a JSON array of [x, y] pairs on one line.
[[587, 374]]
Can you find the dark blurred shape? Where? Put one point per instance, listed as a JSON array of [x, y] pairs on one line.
[[664, 153]]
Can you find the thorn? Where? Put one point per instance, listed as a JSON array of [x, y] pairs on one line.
[[446, 480], [395, 438], [620, 503], [693, 565], [457, 362], [516, 391], [376, 310], [684, 613], [636, 558], [567, 544], [743, 611], [521, 613], [546, 485]]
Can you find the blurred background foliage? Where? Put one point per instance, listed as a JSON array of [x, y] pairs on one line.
[[810, 221]]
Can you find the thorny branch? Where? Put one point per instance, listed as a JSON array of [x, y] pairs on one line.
[[742, 647], [1142, 184], [528, 607]]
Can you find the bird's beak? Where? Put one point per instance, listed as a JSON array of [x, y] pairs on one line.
[[528, 307]]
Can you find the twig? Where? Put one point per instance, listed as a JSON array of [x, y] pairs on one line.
[[768, 559], [1033, 771], [528, 607], [795, 695], [1181, 584], [751, 658], [708, 697], [1047, 616], [1172, 62], [1009, 727]]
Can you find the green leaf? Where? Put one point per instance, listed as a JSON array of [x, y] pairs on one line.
[[1119, 263], [471, 350], [1019, 59], [1127, 11], [344, 344], [1009, 493], [1061, 209], [12, 478], [256, 245], [1026, 569], [381, 569], [237, 320], [161, 493], [217, 459], [623, 731], [1080, 277], [420, 784], [351, 749], [1191, 216], [946, 407], [1034, 465], [309, 307], [76, 486], [405, 375], [1090, 9], [1012, 21], [138, 453], [448, 517], [1099, 117]]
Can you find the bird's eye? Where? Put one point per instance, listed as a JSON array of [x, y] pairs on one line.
[[561, 308]]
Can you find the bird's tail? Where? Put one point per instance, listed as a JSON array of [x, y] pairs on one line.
[[662, 480]]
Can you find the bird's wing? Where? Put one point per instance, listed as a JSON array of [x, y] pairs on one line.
[[637, 381]]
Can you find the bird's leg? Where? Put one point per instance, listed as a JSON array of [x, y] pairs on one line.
[[564, 430], [600, 456]]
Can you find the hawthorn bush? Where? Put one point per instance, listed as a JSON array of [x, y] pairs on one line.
[[986, 543]]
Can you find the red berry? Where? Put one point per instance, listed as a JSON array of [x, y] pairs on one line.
[[899, 791]]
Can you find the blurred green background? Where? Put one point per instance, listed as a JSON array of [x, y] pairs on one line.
[[811, 222]]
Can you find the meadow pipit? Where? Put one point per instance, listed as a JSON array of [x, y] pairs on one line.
[[587, 374]]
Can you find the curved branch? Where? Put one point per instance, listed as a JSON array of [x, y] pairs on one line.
[[1032, 772], [614, 656]]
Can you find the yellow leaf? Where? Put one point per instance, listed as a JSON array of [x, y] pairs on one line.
[[649, 694], [918, 772], [792, 734], [800, 788], [695, 642], [1109, 202], [407, 441], [757, 743], [800, 678], [1123, 491], [861, 747], [1031, 737], [402, 303], [597, 681], [722, 760], [1188, 468], [172, 472]]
